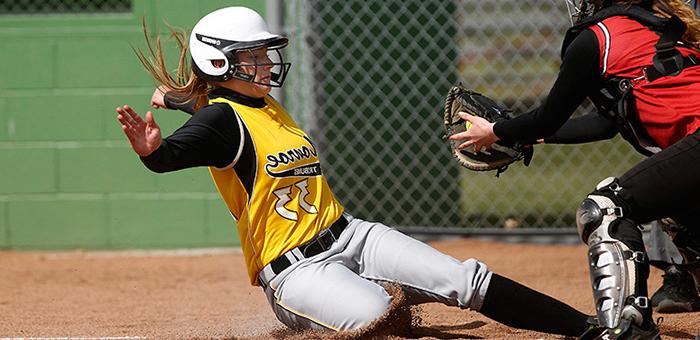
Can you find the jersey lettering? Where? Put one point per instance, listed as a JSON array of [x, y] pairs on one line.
[[284, 197], [291, 156], [303, 186]]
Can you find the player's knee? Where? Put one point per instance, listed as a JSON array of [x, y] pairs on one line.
[[589, 217], [372, 308], [601, 209], [378, 306]]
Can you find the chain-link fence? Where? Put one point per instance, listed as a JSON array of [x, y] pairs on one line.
[[368, 80]]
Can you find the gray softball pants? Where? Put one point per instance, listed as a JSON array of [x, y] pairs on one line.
[[339, 289]]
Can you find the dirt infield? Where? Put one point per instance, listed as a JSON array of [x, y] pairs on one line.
[[205, 295]]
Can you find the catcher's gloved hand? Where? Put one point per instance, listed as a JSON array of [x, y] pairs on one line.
[[500, 155]]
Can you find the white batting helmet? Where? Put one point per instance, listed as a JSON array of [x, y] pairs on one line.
[[220, 34]]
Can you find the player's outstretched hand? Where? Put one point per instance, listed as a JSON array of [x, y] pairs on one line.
[[157, 99], [144, 136], [479, 133]]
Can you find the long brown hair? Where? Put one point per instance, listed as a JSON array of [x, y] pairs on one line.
[[186, 86], [667, 8]]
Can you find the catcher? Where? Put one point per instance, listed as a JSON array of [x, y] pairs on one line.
[[678, 293], [320, 267], [637, 61]]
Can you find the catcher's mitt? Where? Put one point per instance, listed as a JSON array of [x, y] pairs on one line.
[[500, 155]]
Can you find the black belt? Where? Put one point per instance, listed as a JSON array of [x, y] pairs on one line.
[[320, 243]]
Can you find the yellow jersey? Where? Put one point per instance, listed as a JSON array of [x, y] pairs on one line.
[[274, 188]]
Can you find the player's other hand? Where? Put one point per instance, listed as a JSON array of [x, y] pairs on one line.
[[479, 133], [158, 97], [144, 136]]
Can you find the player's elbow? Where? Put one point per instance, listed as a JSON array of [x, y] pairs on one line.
[[549, 129], [154, 166], [157, 170]]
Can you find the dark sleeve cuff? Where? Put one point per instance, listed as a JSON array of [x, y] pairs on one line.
[[500, 129], [173, 102], [154, 161]]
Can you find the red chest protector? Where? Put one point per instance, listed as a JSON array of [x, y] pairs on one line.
[[650, 87]]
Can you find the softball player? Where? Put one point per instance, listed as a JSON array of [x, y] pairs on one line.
[[637, 61], [320, 267], [678, 293]]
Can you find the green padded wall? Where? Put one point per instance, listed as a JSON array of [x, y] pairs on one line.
[[68, 178]]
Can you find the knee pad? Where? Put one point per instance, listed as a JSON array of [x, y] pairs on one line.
[[598, 211], [614, 267]]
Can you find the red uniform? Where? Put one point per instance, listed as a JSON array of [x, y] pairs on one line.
[[668, 107]]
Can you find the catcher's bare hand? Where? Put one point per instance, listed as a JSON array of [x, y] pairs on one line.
[[144, 136], [480, 133]]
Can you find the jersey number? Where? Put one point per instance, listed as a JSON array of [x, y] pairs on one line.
[[283, 197]]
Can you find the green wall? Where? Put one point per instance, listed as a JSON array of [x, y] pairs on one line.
[[68, 178]]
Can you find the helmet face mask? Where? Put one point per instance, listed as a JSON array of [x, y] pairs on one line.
[[228, 33], [581, 9], [576, 10], [273, 60]]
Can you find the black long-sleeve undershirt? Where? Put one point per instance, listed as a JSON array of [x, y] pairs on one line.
[[590, 127], [211, 137], [206, 139], [578, 76]]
